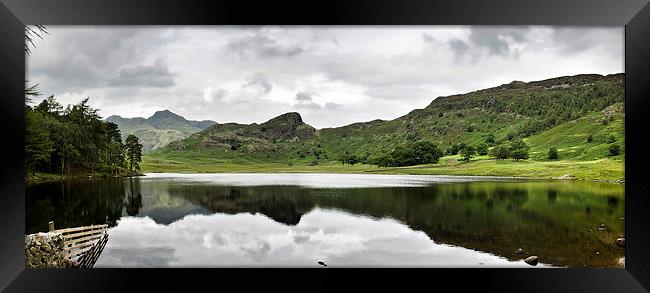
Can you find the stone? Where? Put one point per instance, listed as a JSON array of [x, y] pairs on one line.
[[597, 252], [532, 260], [519, 251], [45, 250], [620, 242]]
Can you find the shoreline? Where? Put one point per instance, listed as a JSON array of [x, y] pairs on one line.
[[47, 177], [35, 179]]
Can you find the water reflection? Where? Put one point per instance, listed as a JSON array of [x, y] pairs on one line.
[[337, 238], [164, 217]]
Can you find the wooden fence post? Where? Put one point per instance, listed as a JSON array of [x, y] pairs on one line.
[[51, 225]]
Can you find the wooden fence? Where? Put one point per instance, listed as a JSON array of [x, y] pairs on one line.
[[83, 244]]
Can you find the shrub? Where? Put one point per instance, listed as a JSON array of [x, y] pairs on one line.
[[590, 138], [552, 153], [611, 138], [614, 149]]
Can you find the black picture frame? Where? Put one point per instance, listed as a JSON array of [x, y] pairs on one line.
[[633, 14]]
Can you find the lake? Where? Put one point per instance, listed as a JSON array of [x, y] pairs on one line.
[[343, 220]]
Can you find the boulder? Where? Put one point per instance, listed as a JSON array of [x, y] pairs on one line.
[[532, 260], [620, 242], [519, 251]]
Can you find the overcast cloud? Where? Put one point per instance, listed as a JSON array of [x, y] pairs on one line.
[[333, 76]]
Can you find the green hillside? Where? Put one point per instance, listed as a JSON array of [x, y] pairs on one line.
[[158, 130], [560, 112]]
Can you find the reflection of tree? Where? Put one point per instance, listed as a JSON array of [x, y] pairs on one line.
[[134, 198], [73, 203], [552, 196]]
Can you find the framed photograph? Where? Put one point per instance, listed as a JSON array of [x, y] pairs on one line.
[[495, 142]]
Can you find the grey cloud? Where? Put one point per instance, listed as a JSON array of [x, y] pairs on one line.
[[497, 41], [305, 100], [401, 92], [431, 40], [259, 81], [259, 45], [572, 40], [459, 47], [334, 106], [155, 75], [303, 96], [79, 57]]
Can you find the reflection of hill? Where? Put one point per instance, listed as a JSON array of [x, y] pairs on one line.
[[163, 208], [482, 216], [284, 204]]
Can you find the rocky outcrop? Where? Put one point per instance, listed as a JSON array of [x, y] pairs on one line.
[[45, 250], [286, 126]]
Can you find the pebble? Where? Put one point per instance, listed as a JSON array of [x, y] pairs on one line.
[[519, 251]]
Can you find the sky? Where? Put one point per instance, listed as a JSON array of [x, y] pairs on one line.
[[331, 75]]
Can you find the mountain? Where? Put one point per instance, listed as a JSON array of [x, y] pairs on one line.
[[549, 108], [160, 129]]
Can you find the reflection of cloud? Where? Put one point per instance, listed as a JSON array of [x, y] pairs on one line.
[[312, 180], [137, 257], [338, 238]]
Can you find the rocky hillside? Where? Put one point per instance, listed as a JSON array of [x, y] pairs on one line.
[[250, 138], [160, 129], [516, 109]]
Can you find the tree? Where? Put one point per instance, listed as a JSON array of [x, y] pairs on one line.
[[614, 149], [133, 152], [482, 149], [500, 152], [518, 149], [552, 153], [489, 139], [467, 153], [38, 146], [425, 152], [382, 160]]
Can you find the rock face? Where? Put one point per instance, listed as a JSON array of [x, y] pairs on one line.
[[45, 250], [532, 260], [286, 126]]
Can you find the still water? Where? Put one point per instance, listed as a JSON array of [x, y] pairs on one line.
[[296, 220]]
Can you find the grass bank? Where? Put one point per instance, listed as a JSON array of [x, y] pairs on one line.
[[602, 169], [43, 177]]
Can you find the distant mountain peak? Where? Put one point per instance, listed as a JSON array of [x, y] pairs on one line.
[[164, 114]]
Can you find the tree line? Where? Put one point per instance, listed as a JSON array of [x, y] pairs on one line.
[[75, 140]]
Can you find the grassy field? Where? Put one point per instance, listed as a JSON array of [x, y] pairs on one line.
[[603, 169]]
